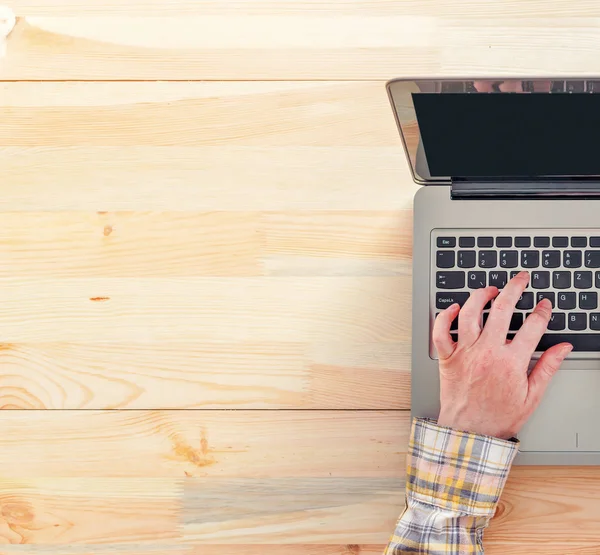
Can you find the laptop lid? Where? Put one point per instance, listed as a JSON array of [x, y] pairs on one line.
[[500, 130]]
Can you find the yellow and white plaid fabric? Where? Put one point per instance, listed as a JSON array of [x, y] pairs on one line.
[[454, 481]]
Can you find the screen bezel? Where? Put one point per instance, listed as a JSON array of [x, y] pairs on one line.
[[400, 96]]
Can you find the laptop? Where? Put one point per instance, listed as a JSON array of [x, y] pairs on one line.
[[510, 175]]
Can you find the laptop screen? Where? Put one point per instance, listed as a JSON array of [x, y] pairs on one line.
[[510, 135], [499, 129]]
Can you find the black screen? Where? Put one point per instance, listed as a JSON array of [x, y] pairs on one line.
[[510, 135]]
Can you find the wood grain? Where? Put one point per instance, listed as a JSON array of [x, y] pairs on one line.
[[196, 114], [138, 244], [130, 244], [198, 178], [97, 510], [299, 40], [294, 510], [336, 309], [289, 549], [205, 375], [246, 445]]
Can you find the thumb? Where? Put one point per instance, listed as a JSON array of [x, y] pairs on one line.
[[543, 371]]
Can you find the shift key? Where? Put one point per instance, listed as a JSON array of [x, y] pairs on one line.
[[444, 300]]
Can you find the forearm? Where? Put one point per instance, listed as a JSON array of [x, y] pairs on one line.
[[454, 481]]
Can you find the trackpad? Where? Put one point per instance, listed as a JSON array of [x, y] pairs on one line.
[[569, 416]]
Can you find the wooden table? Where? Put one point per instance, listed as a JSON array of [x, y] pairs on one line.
[[206, 225]]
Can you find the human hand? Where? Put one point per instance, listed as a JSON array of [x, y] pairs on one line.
[[484, 386]]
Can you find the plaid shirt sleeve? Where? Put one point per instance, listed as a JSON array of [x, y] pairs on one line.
[[454, 481]]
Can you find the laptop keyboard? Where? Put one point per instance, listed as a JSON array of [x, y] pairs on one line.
[[564, 267]]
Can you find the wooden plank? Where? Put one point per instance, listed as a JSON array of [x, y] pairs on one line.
[[288, 549], [341, 310], [196, 114], [145, 40], [94, 446], [94, 510], [172, 244], [134, 244], [540, 503], [205, 178], [182, 46], [142, 375], [340, 243], [291, 510], [452, 8], [156, 548], [112, 478], [139, 244]]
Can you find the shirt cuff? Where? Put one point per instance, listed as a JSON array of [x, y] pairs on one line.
[[457, 471]]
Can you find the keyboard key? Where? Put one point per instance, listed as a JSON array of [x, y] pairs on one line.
[[577, 321], [557, 321], [466, 259], [551, 259], [541, 242], [575, 86], [445, 259], [488, 259], [485, 242], [578, 242], [560, 242], [582, 342], [498, 279], [582, 280], [466, 242], [572, 259], [476, 280], [561, 280], [597, 280], [446, 242], [504, 242], [450, 280], [540, 280], [530, 259], [509, 259], [444, 300], [594, 241], [546, 295], [595, 321], [588, 301], [557, 87], [516, 321], [523, 242], [592, 259], [566, 301], [525, 302]]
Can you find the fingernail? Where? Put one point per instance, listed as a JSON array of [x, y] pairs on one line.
[[566, 350], [454, 306], [523, 274], [546, 303]]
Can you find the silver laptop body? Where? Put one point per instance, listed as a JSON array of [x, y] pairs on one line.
[[490, 206]]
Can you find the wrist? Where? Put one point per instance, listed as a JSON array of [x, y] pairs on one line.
[[481, 428]]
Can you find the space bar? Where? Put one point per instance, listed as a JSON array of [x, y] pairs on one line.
[[589, 342]]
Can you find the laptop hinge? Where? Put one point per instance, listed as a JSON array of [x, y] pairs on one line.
[[462, 189]]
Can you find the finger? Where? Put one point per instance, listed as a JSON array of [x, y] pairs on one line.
[[496, 327], [543, 371], [533, 328], [441, 331], [469, 319]]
